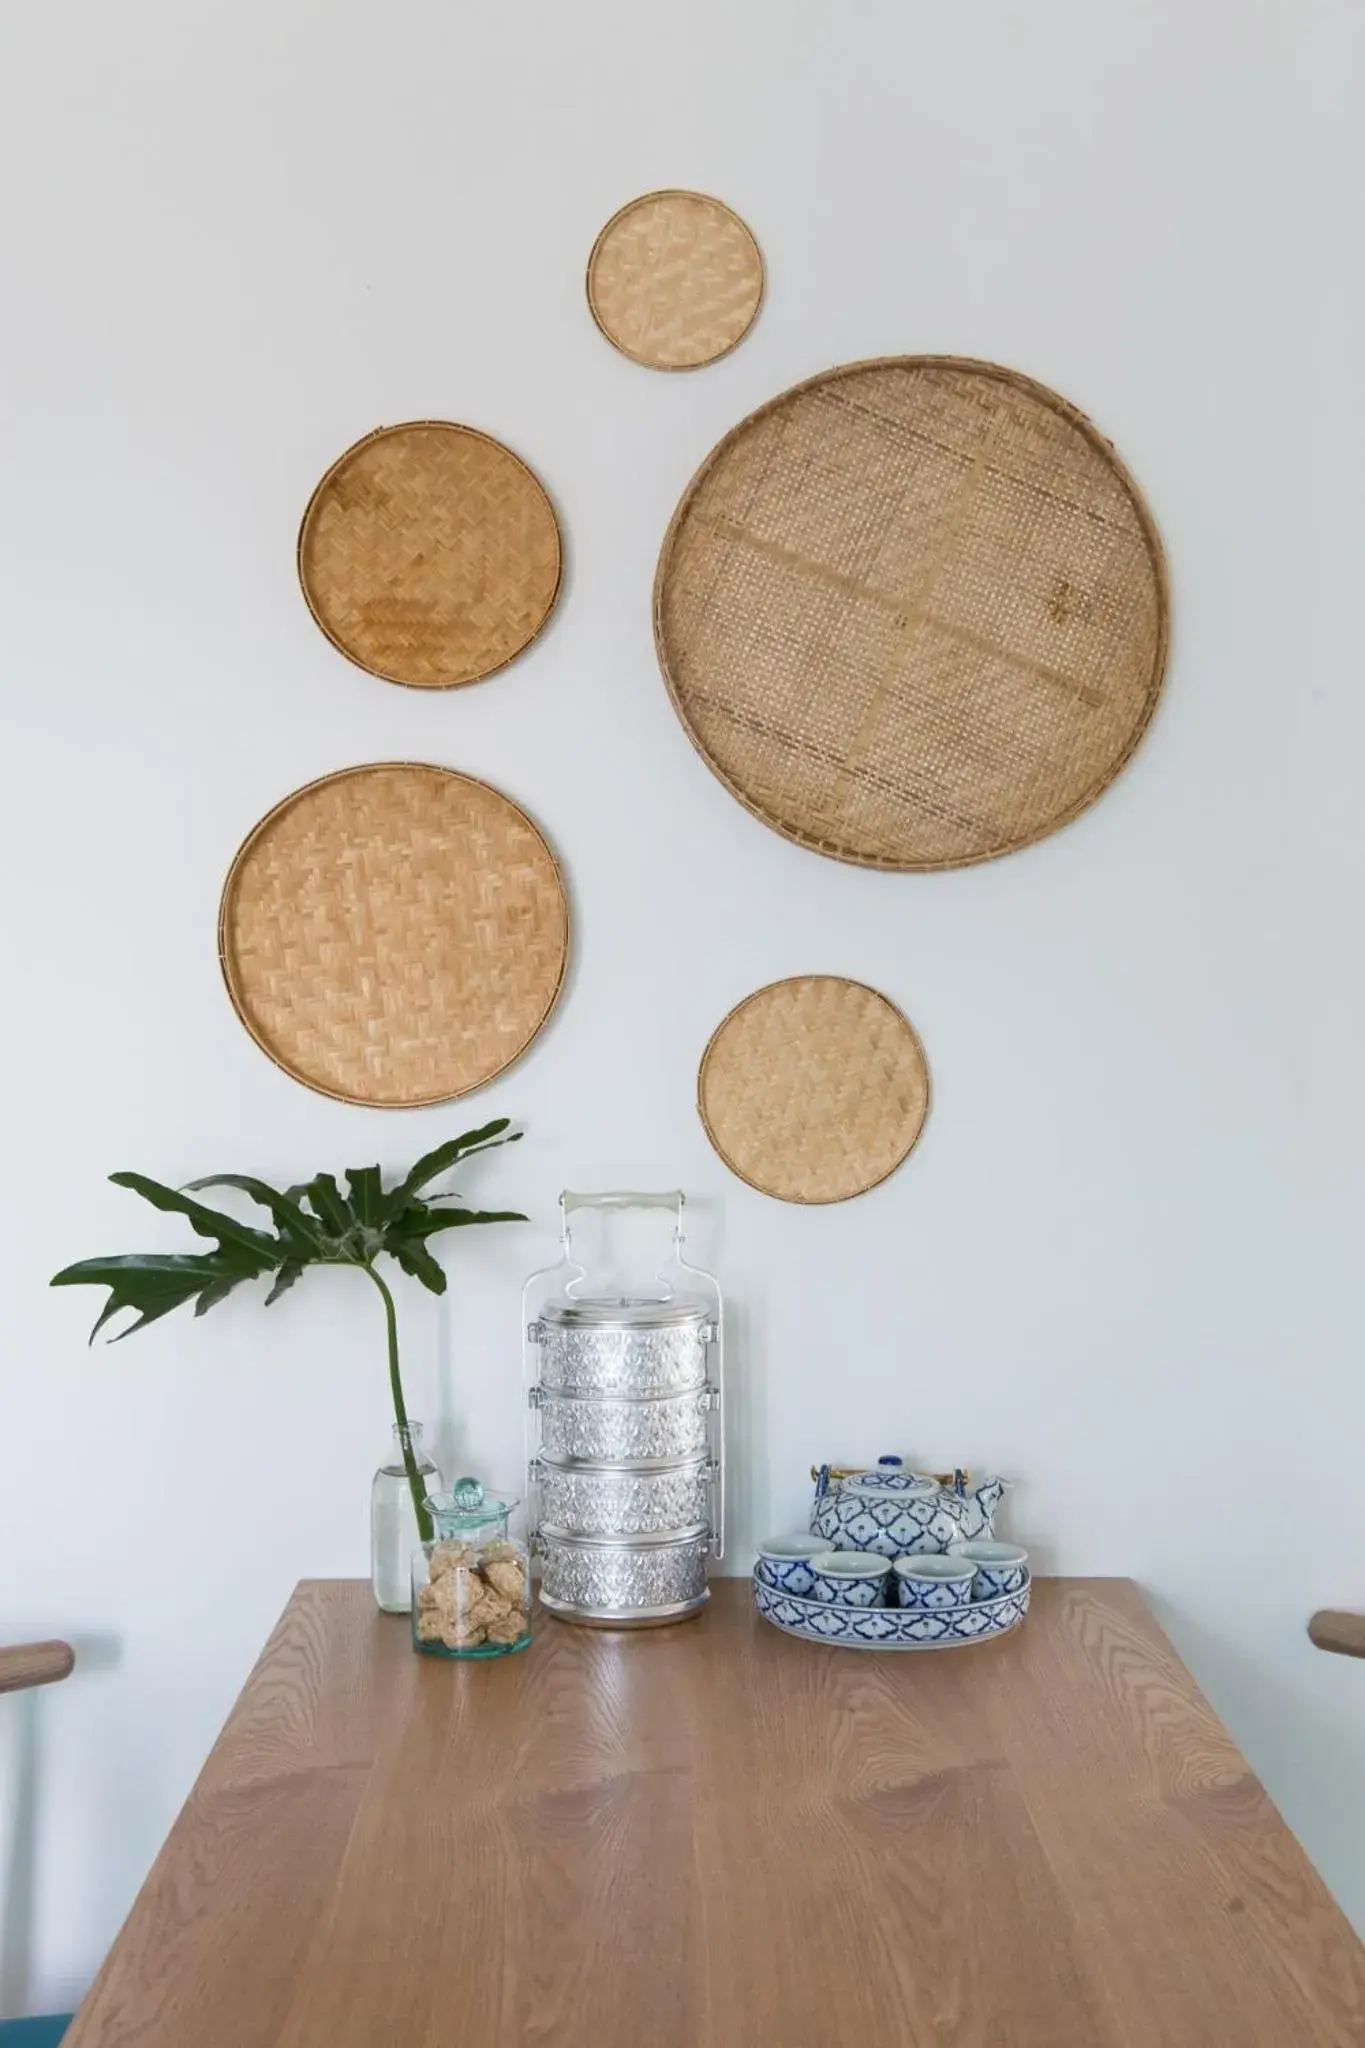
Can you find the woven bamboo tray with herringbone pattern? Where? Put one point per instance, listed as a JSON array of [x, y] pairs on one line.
[[429, 554], [913, 613], [814, 1089], [394, 934], [675, 280]]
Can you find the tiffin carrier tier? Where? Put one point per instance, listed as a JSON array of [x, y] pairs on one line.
[[625, 1433]]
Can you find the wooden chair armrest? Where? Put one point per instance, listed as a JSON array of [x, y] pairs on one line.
[[34, 1664], [1330, 1629]]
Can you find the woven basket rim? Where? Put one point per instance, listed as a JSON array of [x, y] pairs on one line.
[[879, 1180], [1150, 533], [227, 968], [643, 199], [474, 434]]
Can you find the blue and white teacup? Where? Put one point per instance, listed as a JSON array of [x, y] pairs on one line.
[[1000, 1567], [849, 1578], [784, 1563], [933, 1583]]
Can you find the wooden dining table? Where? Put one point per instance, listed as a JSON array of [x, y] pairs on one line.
[[717, 1836]]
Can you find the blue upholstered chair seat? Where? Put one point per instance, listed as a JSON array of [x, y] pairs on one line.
[[40, 2033]]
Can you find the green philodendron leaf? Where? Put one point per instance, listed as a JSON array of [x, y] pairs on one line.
[[328, 1204], [424, 1222], [417, 1262], [284, 1279], [211, 1296], [285, 1209], [431, 1164], [207, 1222], [315, 1225], [154, 1283], [367, 1194]]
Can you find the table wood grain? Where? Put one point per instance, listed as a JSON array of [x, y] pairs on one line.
[[715, 1836]]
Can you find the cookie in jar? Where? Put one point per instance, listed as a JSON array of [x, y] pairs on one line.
[[471, 1585]]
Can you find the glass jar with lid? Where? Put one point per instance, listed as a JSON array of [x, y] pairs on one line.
[[471, 1585]]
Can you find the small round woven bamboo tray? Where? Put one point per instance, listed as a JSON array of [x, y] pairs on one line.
[[394, 935], [430, 555], [814, 1089], [913, 613], [675, 280]]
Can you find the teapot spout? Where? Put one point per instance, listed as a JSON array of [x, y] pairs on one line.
[[979, 1507]]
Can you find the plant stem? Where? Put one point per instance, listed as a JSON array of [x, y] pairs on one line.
[[400, 1413]]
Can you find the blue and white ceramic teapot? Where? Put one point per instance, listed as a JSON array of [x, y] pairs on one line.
[[897, 1512]]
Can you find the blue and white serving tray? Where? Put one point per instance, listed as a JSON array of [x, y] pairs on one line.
[[892, 1628]]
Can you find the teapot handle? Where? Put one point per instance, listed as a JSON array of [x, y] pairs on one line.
[[836, 1474]]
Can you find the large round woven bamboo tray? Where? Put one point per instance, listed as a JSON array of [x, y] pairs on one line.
[[429, 554], [394, 934], [913, 613], [675, 280], [814, 1089]]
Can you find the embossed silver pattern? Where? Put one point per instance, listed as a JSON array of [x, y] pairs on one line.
[[634, 1581], [630, 1362], [588, 1500], [604, 1431]]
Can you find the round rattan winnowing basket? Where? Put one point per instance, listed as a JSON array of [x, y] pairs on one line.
[[395, 934], [430, 554], [913, 613], [675, 280], [814, 1089]]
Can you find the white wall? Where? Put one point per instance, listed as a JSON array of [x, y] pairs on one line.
[[240, 235]]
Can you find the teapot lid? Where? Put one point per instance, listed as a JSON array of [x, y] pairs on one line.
[[890, 1476]]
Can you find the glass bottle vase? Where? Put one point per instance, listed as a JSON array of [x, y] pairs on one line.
[[393, 1519]]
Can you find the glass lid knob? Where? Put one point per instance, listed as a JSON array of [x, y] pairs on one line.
[[467, 1494]]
